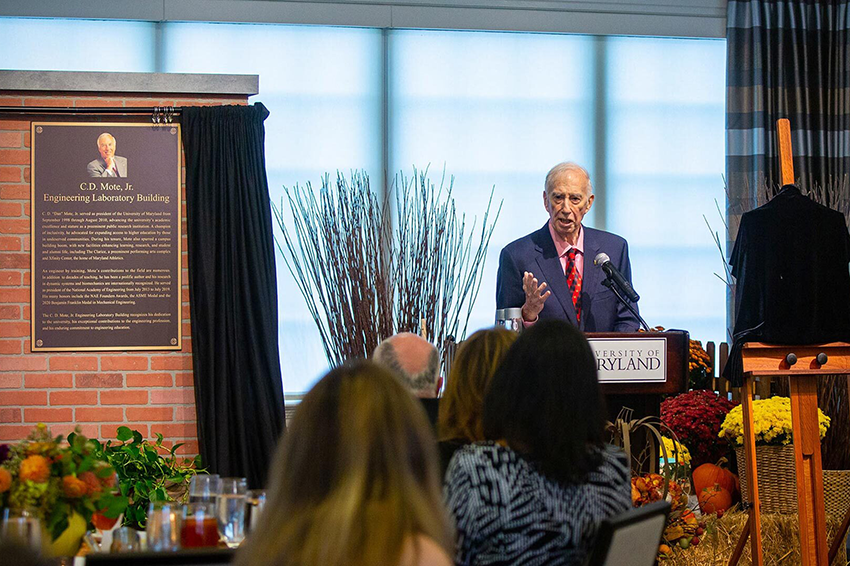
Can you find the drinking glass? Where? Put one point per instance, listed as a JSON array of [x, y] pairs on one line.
[[163, 529], [204, 488], [125, 539], [256, 503], [22, 530], [199, 528], [232, 502]]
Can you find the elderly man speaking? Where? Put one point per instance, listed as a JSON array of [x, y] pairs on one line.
[[558, 259]]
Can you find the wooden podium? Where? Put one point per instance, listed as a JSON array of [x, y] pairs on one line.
[[803, 365]]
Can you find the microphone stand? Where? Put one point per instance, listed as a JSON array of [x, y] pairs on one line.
[[608, 282]]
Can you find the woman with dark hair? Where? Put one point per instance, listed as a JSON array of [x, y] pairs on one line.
[[536, 493], [354, 481]]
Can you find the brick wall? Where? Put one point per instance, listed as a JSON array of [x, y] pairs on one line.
[[99, 391]]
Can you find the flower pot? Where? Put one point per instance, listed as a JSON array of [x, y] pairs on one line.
[[68, 543]]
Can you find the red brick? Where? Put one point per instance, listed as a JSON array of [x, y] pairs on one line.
[[73, 398], [113, 363], [184, 379], [174, 396], [14, 226], [26, 139], [14, 261], [25, 314], [10, 244], [189, 448], [10, 101], [48, 415], [10, 209], [11, 346], [60, 102], [26, 242], [73, 363], [99, 414], [123, 397], [87, 430], [10, 139], [26, 207], [13, 433], [25, 363], [149, 380], [185, 413], [177, 430], [110, 431], [14, 295], [48, 380], [11, 380], [14, 398], [11, 278], [187, 343], [86, 102], [100, 380], [14, 156], [150, 414], [10, 415], [171, 361], [14, 329], [15, 192], [10, 174], [10, 312]]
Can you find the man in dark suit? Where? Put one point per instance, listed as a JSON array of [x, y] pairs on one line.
[[108, 164], [558, 259]]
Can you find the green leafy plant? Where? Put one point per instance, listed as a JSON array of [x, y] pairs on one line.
[[148, 471]]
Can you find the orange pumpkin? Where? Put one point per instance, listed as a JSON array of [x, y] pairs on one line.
[[714, 499], [709, 475]]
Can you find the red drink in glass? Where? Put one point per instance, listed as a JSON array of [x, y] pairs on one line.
[[199, 531]]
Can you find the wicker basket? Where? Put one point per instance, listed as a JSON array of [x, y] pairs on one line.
[[777, 482]]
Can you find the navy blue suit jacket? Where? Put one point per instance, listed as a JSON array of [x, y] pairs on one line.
[[600, 309]]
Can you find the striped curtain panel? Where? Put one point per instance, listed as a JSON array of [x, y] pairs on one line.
[[786, 59]]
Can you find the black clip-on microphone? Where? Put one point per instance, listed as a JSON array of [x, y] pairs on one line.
[[615, 281]]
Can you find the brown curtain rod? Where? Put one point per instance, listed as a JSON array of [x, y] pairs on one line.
[[159, 114]]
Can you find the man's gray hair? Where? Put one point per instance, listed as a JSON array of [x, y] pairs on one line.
[[563, 168], [423, 380]]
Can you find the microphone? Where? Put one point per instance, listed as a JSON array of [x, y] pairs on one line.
[[602, 260]]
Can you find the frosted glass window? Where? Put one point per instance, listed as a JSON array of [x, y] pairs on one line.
[[496, 109], [323, 89], [665, 164], [31, 44]]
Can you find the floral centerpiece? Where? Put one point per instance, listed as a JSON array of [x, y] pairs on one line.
[[699, 366], [771, 423], [57, 481], [695, 417]]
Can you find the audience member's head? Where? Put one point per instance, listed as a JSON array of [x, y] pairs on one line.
[[355, 477], [545, 401], [412, 359], [472, 369]]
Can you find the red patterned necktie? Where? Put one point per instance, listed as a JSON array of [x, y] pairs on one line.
[[574, 281]]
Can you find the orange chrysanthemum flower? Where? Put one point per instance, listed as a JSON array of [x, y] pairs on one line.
[[73, 487], [5, 480], [35, 469], [92, 483]]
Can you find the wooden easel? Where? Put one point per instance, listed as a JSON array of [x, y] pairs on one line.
[[803, 365]]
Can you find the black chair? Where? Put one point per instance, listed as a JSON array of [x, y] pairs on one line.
[[631, 538], [201, 557]]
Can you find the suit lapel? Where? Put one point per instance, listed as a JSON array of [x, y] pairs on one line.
[[553, 273], [591, 278]]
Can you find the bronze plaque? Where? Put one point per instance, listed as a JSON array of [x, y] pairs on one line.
[[106, 236]]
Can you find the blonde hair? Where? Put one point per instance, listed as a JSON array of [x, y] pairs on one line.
[[354, 478], [473, 368]]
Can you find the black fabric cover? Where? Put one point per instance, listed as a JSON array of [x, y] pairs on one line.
[[790, 262], [233, 290]]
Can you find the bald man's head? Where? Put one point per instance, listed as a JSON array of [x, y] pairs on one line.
[[414, 360]]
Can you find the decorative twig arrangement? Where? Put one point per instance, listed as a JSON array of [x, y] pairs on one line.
[[368, 270]]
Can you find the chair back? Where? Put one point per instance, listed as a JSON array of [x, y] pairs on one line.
[[631, 537]]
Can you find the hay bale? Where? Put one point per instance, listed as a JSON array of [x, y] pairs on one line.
[[780, 538]]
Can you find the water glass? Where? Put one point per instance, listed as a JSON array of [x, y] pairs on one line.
[[232, 503], [125, 539], [163, 529], [199, 528], [22, 530], [204, 488], [256, 503]]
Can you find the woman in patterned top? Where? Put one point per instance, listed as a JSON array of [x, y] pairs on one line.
[[354, 481], [537, 492]]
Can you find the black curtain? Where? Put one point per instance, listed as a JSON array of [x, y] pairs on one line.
[[232, 290]]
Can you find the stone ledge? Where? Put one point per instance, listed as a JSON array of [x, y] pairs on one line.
[[160, 83]]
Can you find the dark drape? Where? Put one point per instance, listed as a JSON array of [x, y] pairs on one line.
[[786, 59], [232, 289]]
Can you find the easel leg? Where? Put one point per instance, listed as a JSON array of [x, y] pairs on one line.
[[807, 457], [753, 526]]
